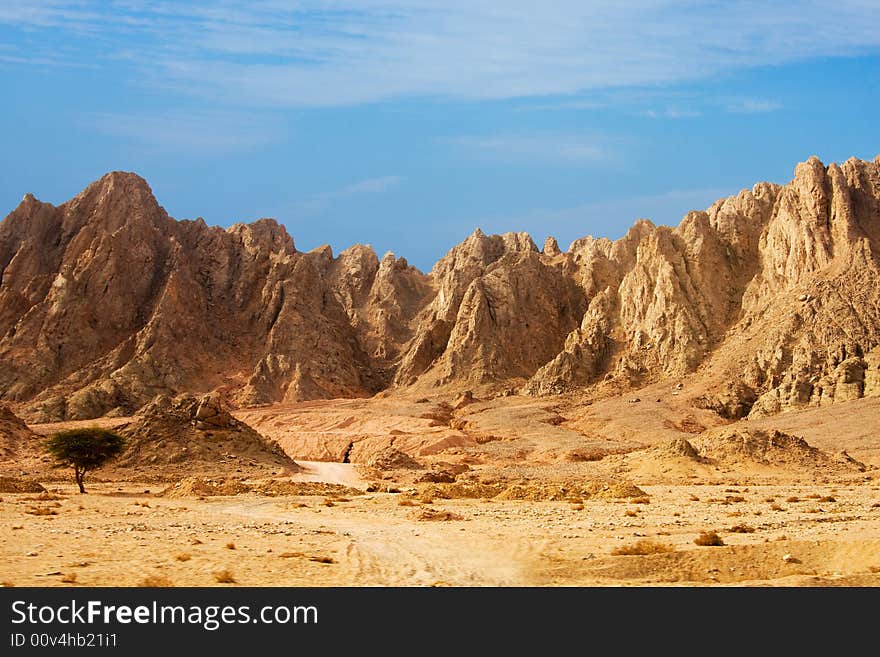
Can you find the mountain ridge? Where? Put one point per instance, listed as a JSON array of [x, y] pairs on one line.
[[771, 295]]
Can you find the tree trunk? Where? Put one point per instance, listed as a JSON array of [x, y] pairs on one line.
[[80, 475]]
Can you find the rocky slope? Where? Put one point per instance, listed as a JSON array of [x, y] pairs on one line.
[[17, 442], [189, 434], [772, 297]]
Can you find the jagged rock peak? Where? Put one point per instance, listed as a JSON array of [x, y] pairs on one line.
[[264, 234], [325, 252], [551, 247], [116, 185]]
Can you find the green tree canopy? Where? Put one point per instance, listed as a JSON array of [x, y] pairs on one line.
[[84, 449]]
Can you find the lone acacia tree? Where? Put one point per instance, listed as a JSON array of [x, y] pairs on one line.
[[84, 450]]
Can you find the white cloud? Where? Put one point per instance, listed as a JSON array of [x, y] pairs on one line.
[[369, 186], [672, 113], [201, 132], [753, 106], [319, 203], [544, 148], [340, 52]]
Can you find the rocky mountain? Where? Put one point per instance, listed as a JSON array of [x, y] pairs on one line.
[[771, 297], [106, 302]]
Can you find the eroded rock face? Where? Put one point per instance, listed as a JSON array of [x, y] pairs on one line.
[[772, 295], [106, 302]]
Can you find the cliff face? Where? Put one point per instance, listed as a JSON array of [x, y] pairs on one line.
[[773, 296]]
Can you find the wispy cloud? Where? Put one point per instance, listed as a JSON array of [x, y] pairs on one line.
[[195, 132], [566, 105], [543, 148], [368, 186], [314, 53], [672, 113], [321, 202], [753, 106]]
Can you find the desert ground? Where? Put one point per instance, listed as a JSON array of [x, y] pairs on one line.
[[509, 491]]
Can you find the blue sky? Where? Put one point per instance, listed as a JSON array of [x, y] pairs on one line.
[[408, 124]]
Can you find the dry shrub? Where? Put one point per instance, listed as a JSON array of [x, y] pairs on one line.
[[224, 576], [45, 496], [873, 569], [328, 502], [813, 510], [792, 499], [41, 511], [742, 529], [183, 556], [827, 498], [586, 455], [640, 500], [156, 581], [290, 555], [694, 498], [642, 547], [323, 559], [7, 584], [69, 578], [629, 513], [230, 545], [770, 499], [776, 507], [708, 539], [436, 515], [734, 499], [577, 507]]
